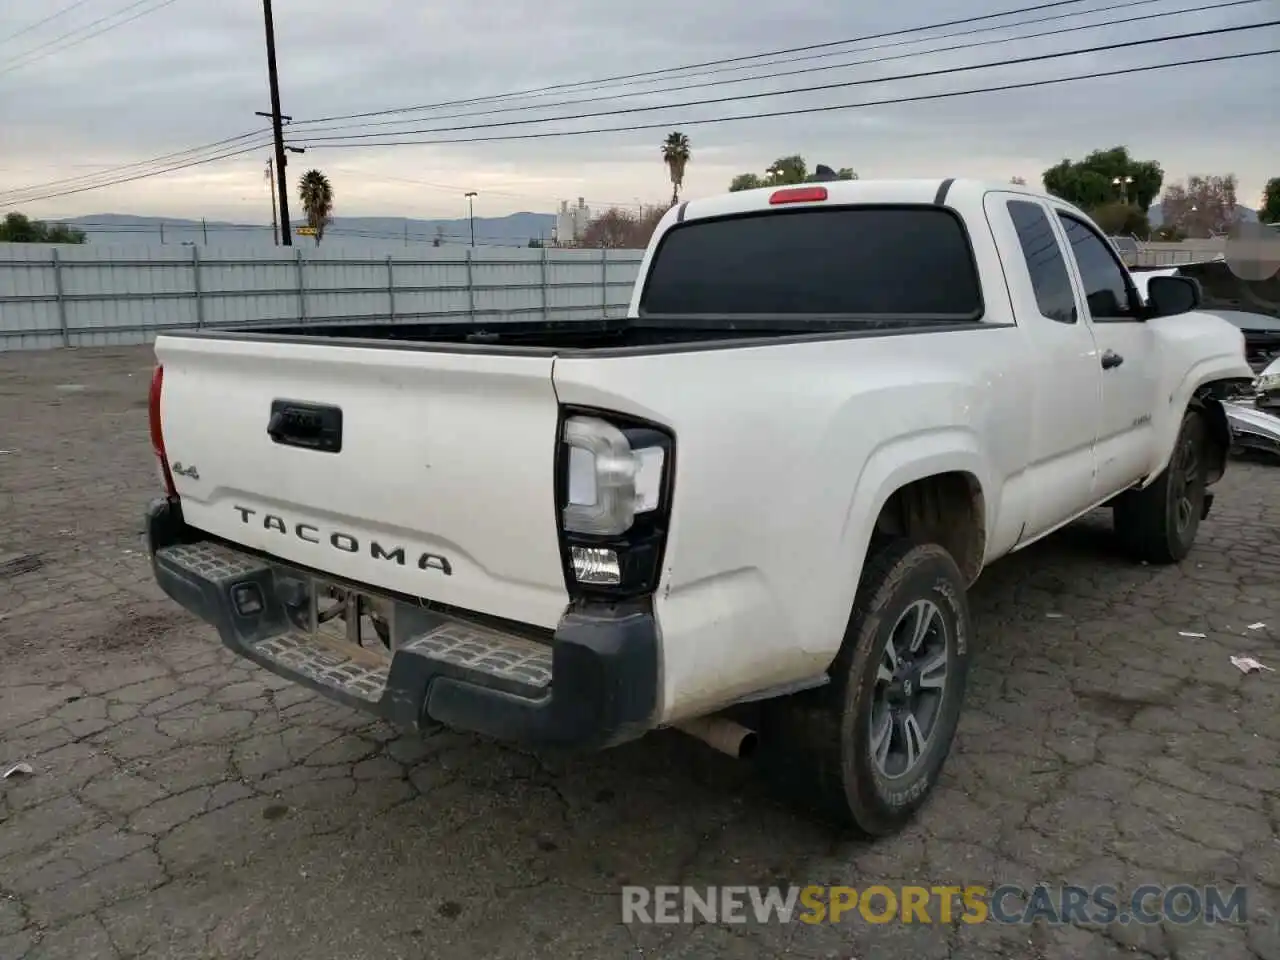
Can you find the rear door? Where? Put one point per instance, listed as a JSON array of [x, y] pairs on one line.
[[1065, 402], [441, 488]]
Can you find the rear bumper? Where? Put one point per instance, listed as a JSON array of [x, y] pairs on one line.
[[591, 685]]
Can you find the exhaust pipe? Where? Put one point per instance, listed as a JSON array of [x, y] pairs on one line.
[[723, 734]]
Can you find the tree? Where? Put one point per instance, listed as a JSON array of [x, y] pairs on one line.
[[18, 228], [61, 233], [783, 172], [535, 243], [1121, 220], [676, 155], [620, 229], [787, 170], [316, 194], [1204, 207], [1270, 209], [1105, 176]]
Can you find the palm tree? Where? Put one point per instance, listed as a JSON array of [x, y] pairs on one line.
[[676, 155], [316, 194]]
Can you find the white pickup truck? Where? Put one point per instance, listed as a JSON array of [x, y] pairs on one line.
[[829, 407]]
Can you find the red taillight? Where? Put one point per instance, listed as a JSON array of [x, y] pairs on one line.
[[798, 195], [157, 431]]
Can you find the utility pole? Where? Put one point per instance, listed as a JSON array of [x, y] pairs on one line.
[[277, 126], [275, 233], [471, 214], [283, 188], [204, 229]]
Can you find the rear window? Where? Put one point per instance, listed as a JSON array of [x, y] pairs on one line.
[[1048, 270], [912, 261]]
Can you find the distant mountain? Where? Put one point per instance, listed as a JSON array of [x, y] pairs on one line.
[[380, 234], [516, 229]]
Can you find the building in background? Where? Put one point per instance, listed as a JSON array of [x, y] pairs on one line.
[[571, 222]]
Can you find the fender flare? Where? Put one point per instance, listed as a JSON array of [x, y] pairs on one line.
[[1190, 391], [889, 468]]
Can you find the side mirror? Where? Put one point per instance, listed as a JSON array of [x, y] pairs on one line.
[[1169, 296]]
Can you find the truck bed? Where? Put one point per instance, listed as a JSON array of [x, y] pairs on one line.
[[603, 333]]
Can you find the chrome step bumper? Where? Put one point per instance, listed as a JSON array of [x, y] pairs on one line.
[[591, 684]]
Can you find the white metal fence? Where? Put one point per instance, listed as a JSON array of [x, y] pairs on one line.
[[71, 296], [1167, 254]]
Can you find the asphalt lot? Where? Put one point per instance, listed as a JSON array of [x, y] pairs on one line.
[[188, 805]]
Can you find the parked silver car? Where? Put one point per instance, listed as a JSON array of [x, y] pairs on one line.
[[1254, 427], [1266, 388]]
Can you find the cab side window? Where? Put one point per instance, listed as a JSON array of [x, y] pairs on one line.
[[1043, 256], [1106, 292]]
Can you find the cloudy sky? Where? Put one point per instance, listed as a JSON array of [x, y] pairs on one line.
[[188, 73]]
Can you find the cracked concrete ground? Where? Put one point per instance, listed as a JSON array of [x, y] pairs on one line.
[[188, 805]]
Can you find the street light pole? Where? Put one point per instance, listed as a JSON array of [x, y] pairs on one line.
[[277, 126], [471, 214], [1123, 184]]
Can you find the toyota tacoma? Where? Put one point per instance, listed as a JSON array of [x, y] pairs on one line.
[[828, 408]]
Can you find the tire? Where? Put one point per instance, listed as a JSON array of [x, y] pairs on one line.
[[819, 745], [1159, 523]]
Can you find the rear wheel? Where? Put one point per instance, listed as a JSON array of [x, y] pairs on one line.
[[1159, 523], [867, 749]]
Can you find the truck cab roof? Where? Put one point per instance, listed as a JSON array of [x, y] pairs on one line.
[[950, 190]]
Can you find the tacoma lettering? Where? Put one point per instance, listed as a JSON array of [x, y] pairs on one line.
[[346, 542], [397, 554]]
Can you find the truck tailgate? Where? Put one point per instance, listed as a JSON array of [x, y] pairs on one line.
[[442, 489]]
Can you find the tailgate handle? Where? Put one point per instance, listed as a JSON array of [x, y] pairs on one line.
[[312, 426]]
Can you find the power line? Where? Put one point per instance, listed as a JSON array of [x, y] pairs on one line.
[[111, 171], [816, 88], [40, 23], [834, 66], [86, 177], [1128, 4], [26, 59], [143, 176], [792, 112], [20, 195], [108, 172], [697, 66], [605, 84], [74, 31], [829, 108]]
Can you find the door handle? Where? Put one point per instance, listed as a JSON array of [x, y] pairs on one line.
[[311, 426], [1111, 359]]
